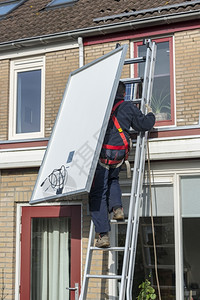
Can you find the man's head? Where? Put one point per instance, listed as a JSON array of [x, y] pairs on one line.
[[121, 90]]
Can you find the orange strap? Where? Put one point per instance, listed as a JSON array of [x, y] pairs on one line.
[[121, 133]]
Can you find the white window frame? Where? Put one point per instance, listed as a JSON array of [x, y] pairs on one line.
[[23, 65], [171, 176]]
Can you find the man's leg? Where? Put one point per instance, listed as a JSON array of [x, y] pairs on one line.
[[98, 200], [114, 190], [114, 194]]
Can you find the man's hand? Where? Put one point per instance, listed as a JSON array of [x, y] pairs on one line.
[[149, 109]]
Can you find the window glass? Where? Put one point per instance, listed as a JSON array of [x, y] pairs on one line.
[[28, 101], [161, 98], [8, 6], [60, 2], [50, 252], [163, 213], [4, 9], [190, 191]]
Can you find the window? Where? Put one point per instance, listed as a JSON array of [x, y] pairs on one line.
[[27, 99], [163, 212], [190, 191], [163, 92], [8, 6], [50, 252], [60, 3]]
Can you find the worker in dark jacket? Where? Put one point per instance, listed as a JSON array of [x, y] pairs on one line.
[[105, 193]]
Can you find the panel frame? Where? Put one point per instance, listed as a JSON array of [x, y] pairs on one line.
[[86, 189]]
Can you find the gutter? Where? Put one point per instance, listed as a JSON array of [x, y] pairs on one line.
[[99, 30]]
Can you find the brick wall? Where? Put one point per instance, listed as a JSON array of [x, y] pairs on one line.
[[58, 67], [187, 74], [15, 186], [96, 51], [4, 94]]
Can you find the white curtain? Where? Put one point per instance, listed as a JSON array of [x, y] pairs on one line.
[[50, 259]]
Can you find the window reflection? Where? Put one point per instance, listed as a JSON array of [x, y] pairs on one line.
[[28, 101], [161, 99], [145, 262], [190, 191], [163, 216]]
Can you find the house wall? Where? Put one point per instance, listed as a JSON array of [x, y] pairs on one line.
[[4, 95], [187, 73], [95, 51], [58, 67], [16, 185]]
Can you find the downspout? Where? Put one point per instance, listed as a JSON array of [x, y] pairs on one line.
[[81, 52]]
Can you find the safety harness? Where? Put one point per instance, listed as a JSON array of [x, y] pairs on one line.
[[121, 133]]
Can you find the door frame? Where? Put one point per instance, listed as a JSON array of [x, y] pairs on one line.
[[24, 265]]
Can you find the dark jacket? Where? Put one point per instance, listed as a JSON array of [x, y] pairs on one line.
[[128, 115]]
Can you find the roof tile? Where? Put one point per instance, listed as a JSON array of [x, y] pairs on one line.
[[31, 19]]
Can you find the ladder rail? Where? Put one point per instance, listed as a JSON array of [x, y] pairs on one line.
[[133, 246], [134, 191], [87, 263], [130, 217], [137, 182], [136, 216], [146, 81], [151, 72]]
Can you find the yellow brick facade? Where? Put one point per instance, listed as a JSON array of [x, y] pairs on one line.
[[58, 67], [187, 74], [4, 97], [95, 51], [15, 186]]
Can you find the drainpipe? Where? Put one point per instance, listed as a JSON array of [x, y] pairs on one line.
[[81, 52]]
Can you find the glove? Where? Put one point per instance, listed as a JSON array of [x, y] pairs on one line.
[[149, 109]]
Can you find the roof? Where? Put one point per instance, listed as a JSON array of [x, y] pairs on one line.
[[85, 17]]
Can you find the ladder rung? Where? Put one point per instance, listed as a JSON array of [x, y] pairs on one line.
[[137, 101], [108, 249], [115, 222], [135, 60], [126, 194], [132, 80], [104, 276]]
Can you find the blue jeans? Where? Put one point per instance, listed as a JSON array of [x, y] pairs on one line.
[[105, 194]]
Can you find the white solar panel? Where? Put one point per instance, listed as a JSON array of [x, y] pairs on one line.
[[72, 154]]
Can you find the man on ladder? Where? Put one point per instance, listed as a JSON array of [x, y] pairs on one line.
[[105, 194]]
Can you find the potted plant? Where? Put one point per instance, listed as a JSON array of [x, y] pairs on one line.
[[146, 291], [159, 106]]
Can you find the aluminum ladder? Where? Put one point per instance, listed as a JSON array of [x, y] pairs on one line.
[[126, 277]]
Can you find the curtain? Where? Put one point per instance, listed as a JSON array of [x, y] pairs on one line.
[[50, 259]]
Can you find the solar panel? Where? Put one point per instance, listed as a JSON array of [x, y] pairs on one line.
[[59, 3], [72, 154], [8, 6]]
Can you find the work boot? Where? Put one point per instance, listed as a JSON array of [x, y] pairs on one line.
[[118, 214], [103, 242]]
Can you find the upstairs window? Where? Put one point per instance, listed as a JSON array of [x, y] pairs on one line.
[[8, 6], [163, 87], [60, 3], [27, 99]]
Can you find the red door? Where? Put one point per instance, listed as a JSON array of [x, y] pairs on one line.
[[29, 216]]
